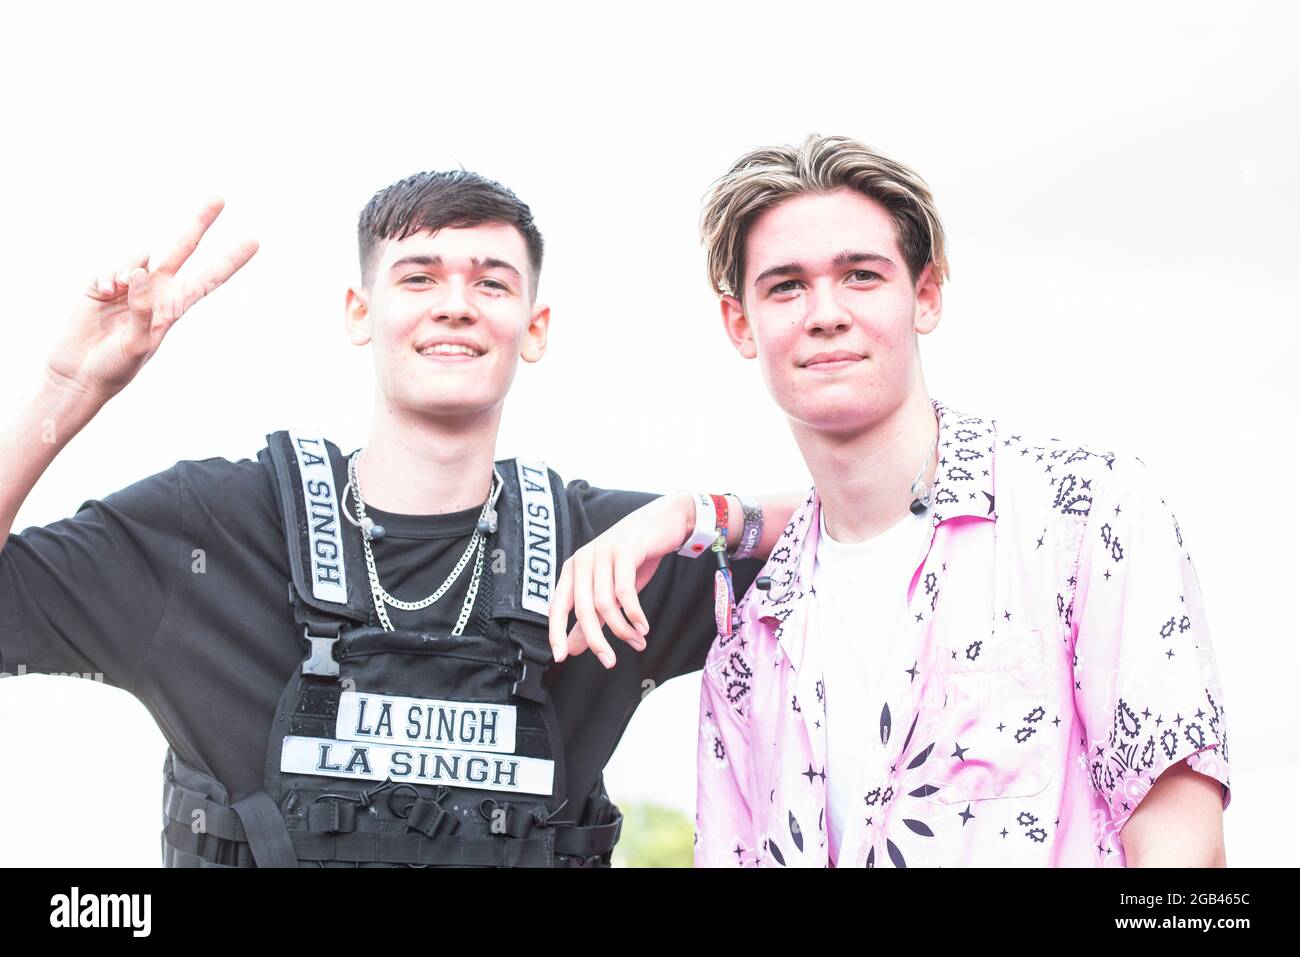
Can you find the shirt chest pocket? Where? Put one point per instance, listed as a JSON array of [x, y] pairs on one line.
[[997, 727]]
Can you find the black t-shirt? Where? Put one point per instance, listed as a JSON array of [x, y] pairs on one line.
[[176, 589]]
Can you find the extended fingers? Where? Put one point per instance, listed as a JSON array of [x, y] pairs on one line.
[[189, 240], [603, 593], [173, 303], [625, 591], [183, 293], [584, 605], [228, 266], [561, 605]]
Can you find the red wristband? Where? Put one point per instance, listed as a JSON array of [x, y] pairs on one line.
[[721, 510]]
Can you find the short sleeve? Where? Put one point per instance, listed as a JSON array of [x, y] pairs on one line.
[[724, 825], [677, 601], [85, 594], [1146, 683]]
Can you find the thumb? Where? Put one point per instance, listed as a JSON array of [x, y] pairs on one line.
[[140, 303], [577, 641]]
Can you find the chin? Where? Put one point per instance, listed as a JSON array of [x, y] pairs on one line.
[[847, 414], [443, 403]]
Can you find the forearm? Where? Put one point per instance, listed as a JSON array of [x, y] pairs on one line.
[[36, 433]]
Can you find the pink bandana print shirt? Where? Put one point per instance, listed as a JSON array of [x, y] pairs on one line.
[[1056, 661]]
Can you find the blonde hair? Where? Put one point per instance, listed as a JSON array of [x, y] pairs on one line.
[[764, 177]]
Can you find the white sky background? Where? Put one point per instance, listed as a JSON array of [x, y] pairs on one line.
[[1118, 185]]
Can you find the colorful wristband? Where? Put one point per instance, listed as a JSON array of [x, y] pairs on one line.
[[706, 528], [752, 532]]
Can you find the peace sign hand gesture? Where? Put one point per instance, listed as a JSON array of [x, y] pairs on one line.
[[120, 323]]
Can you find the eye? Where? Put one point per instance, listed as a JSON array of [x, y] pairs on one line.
[[780, 287], [413, 278], [864, 272], [497, 285]]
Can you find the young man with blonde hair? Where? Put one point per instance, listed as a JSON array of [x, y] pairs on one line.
[[970, 646]]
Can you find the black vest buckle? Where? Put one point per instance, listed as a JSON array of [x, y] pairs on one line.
[[528, 683], [320, 659]]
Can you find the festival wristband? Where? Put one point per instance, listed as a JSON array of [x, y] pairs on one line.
[[706, 527], [720, 512], [724, 596], [752, 532]]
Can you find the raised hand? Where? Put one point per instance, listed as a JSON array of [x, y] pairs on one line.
[[124, 315], [601, 580]]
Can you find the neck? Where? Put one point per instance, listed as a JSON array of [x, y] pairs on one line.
[[864, 478], [415, 464]]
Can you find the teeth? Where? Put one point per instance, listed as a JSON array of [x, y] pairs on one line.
[[446, 349]]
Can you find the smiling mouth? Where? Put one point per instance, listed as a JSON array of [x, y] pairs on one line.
[[453, 352]]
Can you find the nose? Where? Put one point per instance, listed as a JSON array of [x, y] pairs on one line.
[[826, 313], [455, 305]]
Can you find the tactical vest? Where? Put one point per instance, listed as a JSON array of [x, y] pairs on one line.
[[404, 747]]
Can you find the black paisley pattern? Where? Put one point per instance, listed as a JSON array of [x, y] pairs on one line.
[[1001, 762]]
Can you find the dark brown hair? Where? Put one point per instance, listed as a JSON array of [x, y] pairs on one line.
[[436, 200]]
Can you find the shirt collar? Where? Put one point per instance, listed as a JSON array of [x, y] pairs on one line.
[[963, 487], [963, 482]]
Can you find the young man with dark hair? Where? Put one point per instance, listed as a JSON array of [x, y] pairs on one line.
[[312, 716]]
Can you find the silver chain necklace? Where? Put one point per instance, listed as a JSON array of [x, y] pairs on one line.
[[487, 524]]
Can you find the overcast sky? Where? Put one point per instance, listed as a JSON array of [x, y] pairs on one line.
[[1118, 186]]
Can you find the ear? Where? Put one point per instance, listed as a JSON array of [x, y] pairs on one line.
[[356, 316], [539, 324], [737, 326], [929, 301]]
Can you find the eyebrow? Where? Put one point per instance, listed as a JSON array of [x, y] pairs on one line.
[[434, 261], [845, 258]]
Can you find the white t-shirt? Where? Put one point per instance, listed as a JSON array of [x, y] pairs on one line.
[[861, 595]]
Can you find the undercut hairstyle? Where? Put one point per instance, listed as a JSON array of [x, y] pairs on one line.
[[455, 199], [765, 177]]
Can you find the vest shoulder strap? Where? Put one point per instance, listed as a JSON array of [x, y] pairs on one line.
[[327, 563], [534, 531]]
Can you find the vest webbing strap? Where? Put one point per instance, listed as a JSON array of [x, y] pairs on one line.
[[180, 803], [416, 849], [569, 840], [267, 835], [182, 847], [587, 841], [179, 858]]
